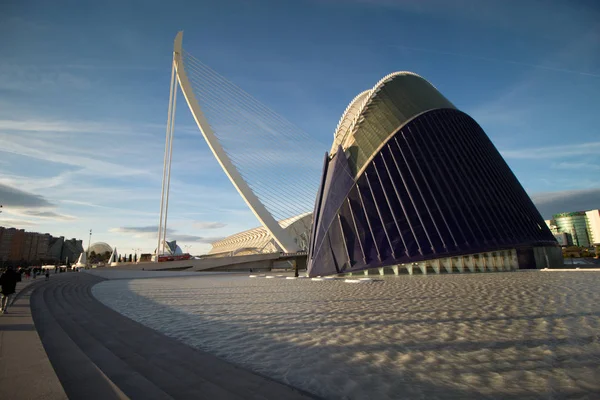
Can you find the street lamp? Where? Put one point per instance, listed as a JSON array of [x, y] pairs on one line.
[[87, 256]]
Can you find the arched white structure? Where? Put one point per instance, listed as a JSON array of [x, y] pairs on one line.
[[283, 239], [354, 108], [354, 113], [258, 240]]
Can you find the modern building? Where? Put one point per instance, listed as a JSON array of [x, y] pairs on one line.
[[100, 248], [410, 180], [258, 240], [172, 248], [20, 247], [579, 228], [72, 249], [593, 225]]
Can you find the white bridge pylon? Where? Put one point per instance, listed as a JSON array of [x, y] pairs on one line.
[[282, 238]]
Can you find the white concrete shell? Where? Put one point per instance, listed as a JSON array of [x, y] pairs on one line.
[[416, 93], [354, 108], [258, 240]]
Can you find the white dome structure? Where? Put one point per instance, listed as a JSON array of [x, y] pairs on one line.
[[100, 248]]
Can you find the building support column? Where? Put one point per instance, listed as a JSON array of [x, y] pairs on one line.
[[480, 262], [514, 260], [471, 263], [447, 263], [435, 264], [461, 264]]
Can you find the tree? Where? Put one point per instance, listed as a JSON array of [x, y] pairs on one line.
[[130, 257], [135, 257], [120, 259]]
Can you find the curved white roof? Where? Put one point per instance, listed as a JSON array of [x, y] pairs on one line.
[[354, 113], [100, 248], [353, 109], [259, 238]]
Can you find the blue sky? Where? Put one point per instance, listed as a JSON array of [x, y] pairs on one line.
[[84, 94]]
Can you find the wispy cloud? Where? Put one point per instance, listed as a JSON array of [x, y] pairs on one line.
[[553, 152], [551, 203], [17, 223], [577, 166], [48, 214], [12, 197], [39, 139], [208, 225], [39, 125], [500, 60], [194, 239], [152, 230], [19, 202], [139, 230]]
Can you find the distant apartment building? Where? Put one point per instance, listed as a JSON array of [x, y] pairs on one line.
[[578, 228], [19, 246]]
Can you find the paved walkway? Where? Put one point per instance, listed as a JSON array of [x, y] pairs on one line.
[[98, 353], [25, 371]]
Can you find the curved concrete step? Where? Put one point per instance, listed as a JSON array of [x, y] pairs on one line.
[[69, 317], [170, 379], [116, 357], [79, 376]]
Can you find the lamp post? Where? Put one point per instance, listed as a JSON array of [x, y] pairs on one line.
[[87, 256]]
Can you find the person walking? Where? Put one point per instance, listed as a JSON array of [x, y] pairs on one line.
[[47, 274], [8, 285]]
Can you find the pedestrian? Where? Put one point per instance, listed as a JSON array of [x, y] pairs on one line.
[[8, 285], [47, 274]]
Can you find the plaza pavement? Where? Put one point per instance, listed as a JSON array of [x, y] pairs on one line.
[[92, 352]]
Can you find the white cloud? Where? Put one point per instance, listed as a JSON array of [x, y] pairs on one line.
[[576, 166], [151, 231], [17, 223], [16, 198], [208, 225], [48, 214], [139, 230], [563, 151], [551, 203], [193, 238], [19, 202], [61, 153]]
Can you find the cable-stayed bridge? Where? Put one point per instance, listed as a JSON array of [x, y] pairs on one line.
[[273, 164]]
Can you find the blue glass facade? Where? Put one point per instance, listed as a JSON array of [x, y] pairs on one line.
[[436, 188]]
